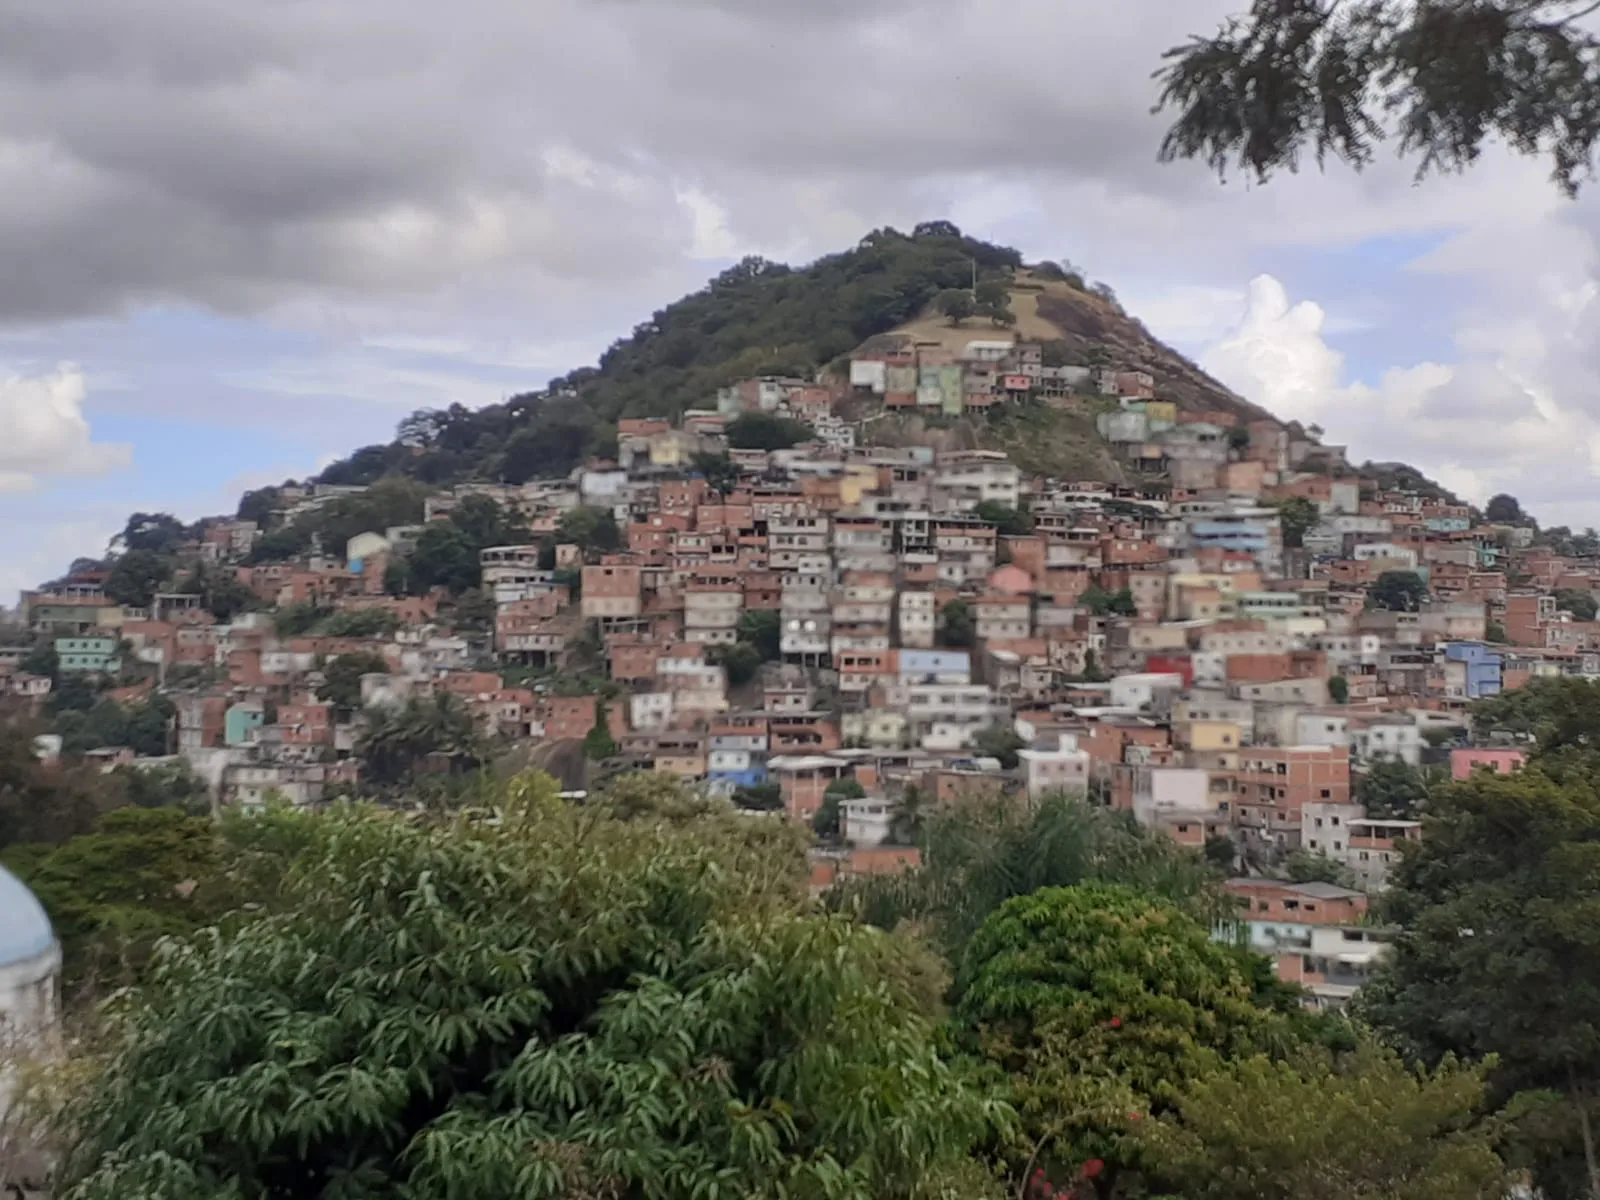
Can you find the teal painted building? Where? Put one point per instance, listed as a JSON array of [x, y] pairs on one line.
[[88, 654]]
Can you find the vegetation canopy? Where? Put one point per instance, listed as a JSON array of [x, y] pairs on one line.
[[1443, 77], [552, 1002]]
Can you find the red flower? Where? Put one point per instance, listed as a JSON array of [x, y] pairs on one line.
[[1093, 1167], [1039, 1174], [1047, 1190], [1115, 1022], [1134, 1116]]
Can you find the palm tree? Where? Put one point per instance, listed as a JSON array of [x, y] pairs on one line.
[[397, 740]]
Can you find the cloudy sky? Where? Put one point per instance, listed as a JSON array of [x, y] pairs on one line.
[[239, 239]]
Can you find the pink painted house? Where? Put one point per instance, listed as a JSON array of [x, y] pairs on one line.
[[1502, 762]]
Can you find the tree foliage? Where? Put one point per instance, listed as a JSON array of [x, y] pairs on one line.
[[1316, 1127], [1504, 510], [341, 678], [1320, 77], [553, 1003], [981, 853], [436, 731], [42, 803], [1102, 1006], [1559, 713], [1580, 602], [155, 533], [1004, 518], [956, 626], [1499, 949], [1398, 591], [756, 318], [763, 629], [141, 874], [1390, 788], [999, 742], [1297, 516], [137, 575], [589, 528], [955, 305], [766, 431]]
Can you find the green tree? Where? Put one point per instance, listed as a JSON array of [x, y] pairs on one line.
[[341, 678], [741, 660], [955, 305], [591, 529], [140, 875], [1499, 951], [154, 533], [759, 797], [136, 576], [1122, 604], [555, 1002], [1296, 517], [1390, 788], [41, 659], [485, 522], [1560, 713], [980, 854], [827, 820], [956, 626], [598, 744], [258, 504], [359, 623], [1097, 600], [47, 803], [1504, 510], [1299, 76], [1580, 602], [1338, 689], [397, 741], [720, 471], [1398, 591], [298, 619], [171, 784], [224, 596], [1220, 852], [549, 450], [992, 295], [1007, 520], [444, 556], [1422, 1135], [1001, 742], [144, 728], [764, 431], [1101, 1005], [763, 629]]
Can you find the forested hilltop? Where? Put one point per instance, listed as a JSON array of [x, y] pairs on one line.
[[757, 318]]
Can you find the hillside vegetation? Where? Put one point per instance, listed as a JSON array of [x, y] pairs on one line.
[[764, 318], [756, 318]]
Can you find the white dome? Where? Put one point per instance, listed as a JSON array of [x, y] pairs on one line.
[[25, 931]]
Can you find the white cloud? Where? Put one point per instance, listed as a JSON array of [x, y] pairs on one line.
[[1508, 415], [43, 431]]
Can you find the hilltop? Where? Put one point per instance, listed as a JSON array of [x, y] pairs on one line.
[[1080, 324], [766, 318]]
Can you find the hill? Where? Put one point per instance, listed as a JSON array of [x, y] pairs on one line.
[[1083, 325], [765, 318]]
